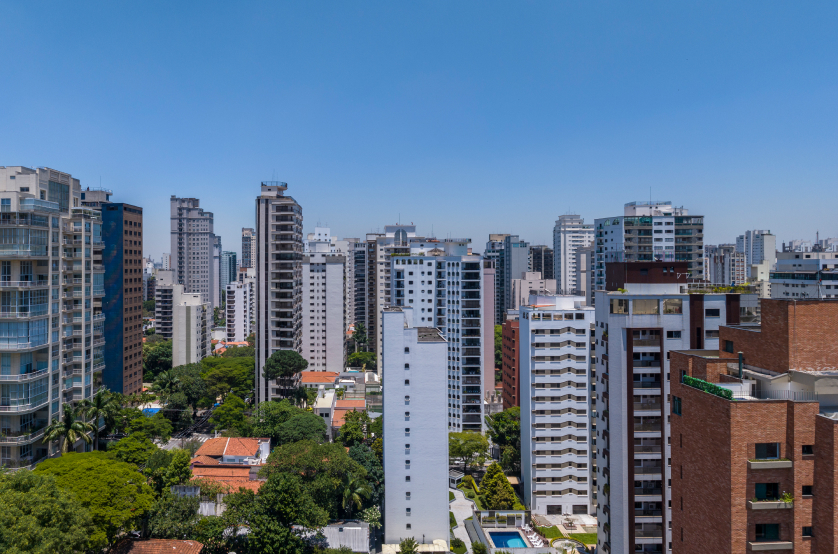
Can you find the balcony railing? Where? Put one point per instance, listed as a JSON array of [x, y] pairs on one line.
[[23, 284], [647, 427], [24, 376]]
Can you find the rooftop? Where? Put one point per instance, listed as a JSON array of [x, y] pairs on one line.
[[157, 546], [429, 334], [314, 377]]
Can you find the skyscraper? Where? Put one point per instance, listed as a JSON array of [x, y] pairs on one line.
[[541, 261], [229, 269], [194, 247], [569, 234], [248, 246], [493, 250], [278, 263], [758, 246], [515, 260], [324, 324]]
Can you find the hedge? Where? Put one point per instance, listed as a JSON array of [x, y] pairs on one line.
[[707, 387]]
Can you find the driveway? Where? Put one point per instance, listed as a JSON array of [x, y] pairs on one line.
[[462, 508]]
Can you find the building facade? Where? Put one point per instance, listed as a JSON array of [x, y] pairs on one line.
[[585, 271], [194, 247], [650, 231], [556, 446], [248, 247], [757, 246], [569, 234], [530, 283], [444, 286], [510, 353], [279, 273], [542, 261], [635, 331], [241, 309], [324, 308], [191, 327], [229, 269], [414, 376], [725, 265]]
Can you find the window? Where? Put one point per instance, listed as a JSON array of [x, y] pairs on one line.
[[407, 382], [407, 399], [729, 346], [807, 532], [407, 431], [767, 532], [406, 350], [645, 307], [767, 450], [807, 490], [767, 491], [808, 449], [672, 306], [712, 312], [407, 526], [711, 334], [673, 334], [407, 478], [407, 512], [676, 405], [619, 306], [407, 366]]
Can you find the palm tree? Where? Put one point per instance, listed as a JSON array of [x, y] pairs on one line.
[[103, 405], [68, 430], [354, 488], [166, 383]]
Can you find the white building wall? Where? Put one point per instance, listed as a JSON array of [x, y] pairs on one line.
[[240, 305], [569, 233], [191, 328], [324, 325], [415, 430], [555, 433]]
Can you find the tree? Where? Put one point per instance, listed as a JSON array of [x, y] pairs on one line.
[[283, 501], [305, 426], [68, 430], [352, 431], [504, 428], [359, 359], [282, 366], [148, 307], [377, 426], [177, 411], [102, 406], [178, 472], [166, 383], [372, 516], [114, 492], [156, 427], [498, 346], [353, 490], [136, 449], [378, 448], [269, 416], [467, 446], [227, 375], [493, 470], [359, 337], [375, 472], [240, 352], [229, 415], [498, 493], [191, 383], [173, 517], [39, 517], [157, 356], [479, 548], [409, 546]]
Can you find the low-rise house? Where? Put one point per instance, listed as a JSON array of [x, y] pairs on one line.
[[233, 450], [314, 379], [157, 546]]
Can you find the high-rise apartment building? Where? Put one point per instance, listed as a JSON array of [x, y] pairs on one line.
[[444, 286], [229, 269], [195, 249], [510, 364], [184, 318], [324, 313], [636, 331], [515, 259], [758, 246], [530, 283], [414, 376], [356, 282], [493, 250], [650, 231], [555, 363], [489, 279], [248, 247], [585, 271], [51, 289], [725, 265], [166, 262], [569, 234], [163, 302], [542, 261], [240, 309], [279, 271], [754, 430]]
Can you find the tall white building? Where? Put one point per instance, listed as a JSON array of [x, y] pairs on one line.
[[570, 233], [279, 271], [191, 327], [585, 270], [444, 286], [758, 246], [324, 309], [530, 283], [248, 247], [415, 451], [241, 309], [635, 332], [196, 250], [725, 265], [556, 446], [650, 231], [51, 291]]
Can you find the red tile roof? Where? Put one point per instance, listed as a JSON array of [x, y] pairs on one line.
[[313, 377], [351, 403], [157, 546], [222, 471], [233, 484], [229, 446], [205, 460], [212, 447]]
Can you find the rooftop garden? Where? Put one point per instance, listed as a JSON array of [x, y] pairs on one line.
[[710, 388]]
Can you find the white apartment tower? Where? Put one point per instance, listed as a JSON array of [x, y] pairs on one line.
[[241, 309], [51, 290], [279, 273], [569, 234], [758, 246], [725, 265], [650, 231], [443, 285], [248, 247], [635, 332], [324, 323], [530, 283], [191, 327], [555, 365], [196, 250], [416, 431]]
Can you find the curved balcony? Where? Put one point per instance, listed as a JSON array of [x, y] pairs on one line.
[[19, 408], [24, 376], [23, 284], [15, 438]]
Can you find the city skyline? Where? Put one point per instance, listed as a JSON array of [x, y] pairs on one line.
[[571, 105]]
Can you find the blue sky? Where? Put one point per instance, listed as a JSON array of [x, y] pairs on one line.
[[464, 117]]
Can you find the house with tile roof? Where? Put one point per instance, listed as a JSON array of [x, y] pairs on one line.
[[233, 450], [313, 379], [157, 546]]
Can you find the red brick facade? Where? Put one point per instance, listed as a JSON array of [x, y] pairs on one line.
[[510, 368]]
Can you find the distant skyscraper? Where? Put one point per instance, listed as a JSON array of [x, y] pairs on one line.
[[758, 246], [194, 244], [248, 247], [324, 325], [515, 260], [241, 308], [726, 265], [542, 261], [278, 263], [229, 269], [569, 234], [493, 250]]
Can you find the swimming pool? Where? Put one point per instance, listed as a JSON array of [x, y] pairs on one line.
[[507, 539]]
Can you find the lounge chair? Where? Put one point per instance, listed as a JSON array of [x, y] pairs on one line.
[[537, 544]]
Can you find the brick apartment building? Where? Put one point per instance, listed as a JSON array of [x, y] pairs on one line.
[[749, 431], [509, 368]]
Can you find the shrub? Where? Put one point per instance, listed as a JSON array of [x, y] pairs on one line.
[[451, 519]]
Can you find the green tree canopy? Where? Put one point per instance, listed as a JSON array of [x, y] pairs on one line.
[[157, 357], [39, 517], [498, 492], [269, 416], [229, 415], [359, 336], [173, 517], [103, 405], [304, 426], [284, 364], [228, 375], [358, 359], [115, 493], [375, 472], [408, 546], [156, 427], [69, 429], [240, 352], [135, 449], [504, 428], [493, 470], [191, 383], [467, 446]]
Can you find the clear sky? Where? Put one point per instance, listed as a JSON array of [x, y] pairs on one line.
[[464, 117]]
